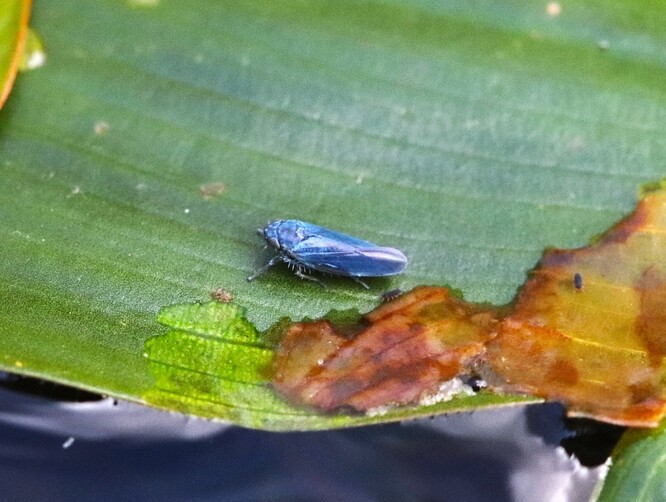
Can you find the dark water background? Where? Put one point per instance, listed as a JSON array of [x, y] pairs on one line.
[[52, 450]]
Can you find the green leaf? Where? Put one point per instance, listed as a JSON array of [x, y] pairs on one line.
[[470, 137], [13, 28], [638, 470], [215, 364]]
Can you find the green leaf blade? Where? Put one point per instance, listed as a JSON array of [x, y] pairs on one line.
[[637, 470], [468, 137]]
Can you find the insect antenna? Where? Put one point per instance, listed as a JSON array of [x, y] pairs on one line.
[[263, 269]]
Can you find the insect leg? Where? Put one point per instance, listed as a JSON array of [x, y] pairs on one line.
[[361, 282], [308, 277], [263, 269]]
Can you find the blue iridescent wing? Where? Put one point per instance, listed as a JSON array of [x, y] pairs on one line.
[[310, 230], [329, 251]]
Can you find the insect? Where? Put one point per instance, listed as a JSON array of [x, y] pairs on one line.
[[389, 296], [578, 281], [305, 247]]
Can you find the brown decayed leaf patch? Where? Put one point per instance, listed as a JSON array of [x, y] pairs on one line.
[[588, 328], [599, 349], [404, 349]]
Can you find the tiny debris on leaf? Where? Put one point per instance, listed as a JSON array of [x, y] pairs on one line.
[[221, 295], [211, 190]]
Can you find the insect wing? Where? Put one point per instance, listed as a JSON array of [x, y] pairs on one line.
[[311, 230], [342, 255]]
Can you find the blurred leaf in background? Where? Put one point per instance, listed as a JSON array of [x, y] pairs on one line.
[[14, 16]]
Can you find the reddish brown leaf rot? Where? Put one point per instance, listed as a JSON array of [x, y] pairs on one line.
[[402, 350], [598, 348]]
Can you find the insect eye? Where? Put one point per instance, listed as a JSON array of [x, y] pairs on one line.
[[273, 242]]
